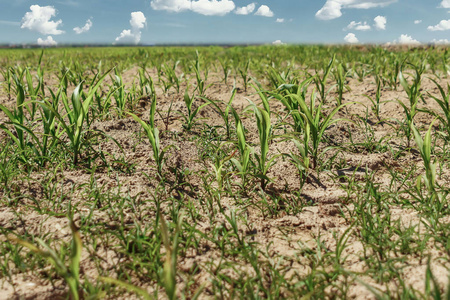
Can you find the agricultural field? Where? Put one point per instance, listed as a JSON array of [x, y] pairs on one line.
[[262, 172]]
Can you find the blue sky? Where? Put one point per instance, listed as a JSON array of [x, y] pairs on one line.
[[224, 21]]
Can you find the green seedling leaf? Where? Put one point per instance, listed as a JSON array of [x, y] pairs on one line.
[[141, 292]]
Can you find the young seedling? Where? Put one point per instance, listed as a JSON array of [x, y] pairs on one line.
[[153, 136], [432, 289], [409, 114], [146, 83], [45, 147], [243, 70], [192, 113], [226, 68], [360, 71], [169, 271], [7, 81], [279, 79], [132, 288], [70, 274], [75, 122], [244, 162], [264, 130], [341, 82], [219, 163], [224, 113], [318, 122], [424, 146], [284, 95], [414, 90], [172, 78], [444, 103], [301, 160], [32, 92], [377, 100], [170, 265], [118, 93], [17, 117], [321, 81], [393, 75], [201, 82], [414, 93]]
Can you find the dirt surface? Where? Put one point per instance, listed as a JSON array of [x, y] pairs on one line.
[[281, 237]]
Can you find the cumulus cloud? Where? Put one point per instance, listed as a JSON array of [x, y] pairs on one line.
[[358, 26], [405, 39], [137, 20], [417, 22], [445, 3], [171, 5], [212, 7], [380, 22], [278, 42], [440, 42], [83, 29], [351, 38], [443, 25], [204, 7], [133, 35], [127, 37], [246, 9], [332, 9], [48, 42], [264, 11], [38, 19], [280, 20]]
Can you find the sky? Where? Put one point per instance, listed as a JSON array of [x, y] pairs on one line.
[[150, 22]]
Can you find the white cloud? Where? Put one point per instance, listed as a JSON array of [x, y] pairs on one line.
[[47, 42], [138, 20], [38, 19], [212, 7], [445, 3], [440, 42], [405, 39], [264, 11], [443, 25], [171, 5], [246, 9], [133, 35], [380, 22], [417, 22], [126, 37], [278, 42], [332, 9], [351, 38], [366, 4], [204, 7], [280, 20], [83, 29], [358, 26]]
